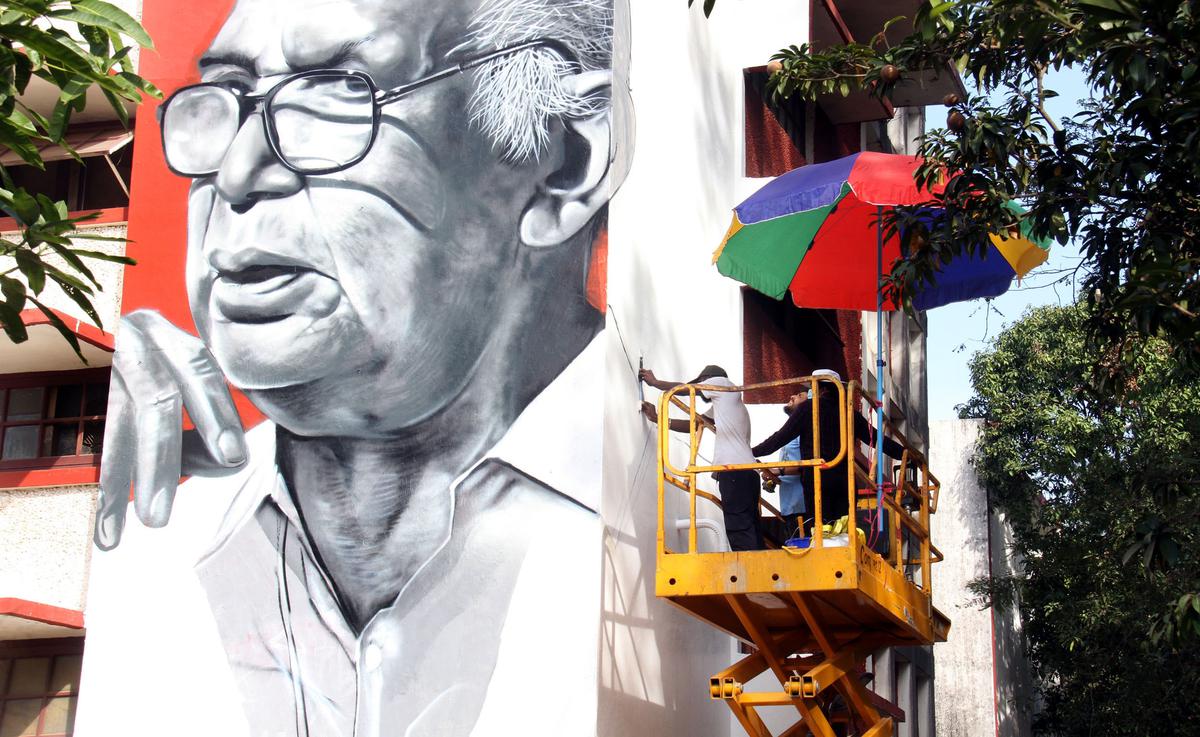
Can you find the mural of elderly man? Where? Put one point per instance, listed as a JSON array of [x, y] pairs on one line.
[[391, 230]]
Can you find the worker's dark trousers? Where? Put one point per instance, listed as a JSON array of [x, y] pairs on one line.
[[739, 500]]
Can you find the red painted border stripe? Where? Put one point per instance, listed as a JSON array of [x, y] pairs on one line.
[[107, 216], [30, 478], [43, 613]]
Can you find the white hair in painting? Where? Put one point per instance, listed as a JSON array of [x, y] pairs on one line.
[[517, 97]]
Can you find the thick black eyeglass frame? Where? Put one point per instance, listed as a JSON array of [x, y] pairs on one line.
[[250, 104]]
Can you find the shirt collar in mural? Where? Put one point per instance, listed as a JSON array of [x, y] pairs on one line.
[[432, 663]]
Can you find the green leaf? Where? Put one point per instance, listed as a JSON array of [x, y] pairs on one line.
[[14, 293], [117, 106], [891, 22], [74, 92], [70, 287], [62, 328], [22, 147], [13, 327], [101, 256], [67, 254], [24, 207], [942, 8], [104, 15], [1114, 6], [85, 235], [32, 268], [71, 56]]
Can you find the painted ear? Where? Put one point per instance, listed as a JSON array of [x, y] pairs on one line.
[[571, 196]]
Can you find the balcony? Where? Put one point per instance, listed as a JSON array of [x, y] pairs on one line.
[[836, 22]]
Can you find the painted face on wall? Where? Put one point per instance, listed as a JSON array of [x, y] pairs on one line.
[[360, 300]]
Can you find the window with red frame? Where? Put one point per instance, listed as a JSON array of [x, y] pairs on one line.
[[52, 419], [781, 341], [39, 687]]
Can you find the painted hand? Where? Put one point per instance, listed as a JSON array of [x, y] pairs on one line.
[[157, 371]]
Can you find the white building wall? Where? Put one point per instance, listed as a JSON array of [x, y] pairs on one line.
[[671, 306], [107, 301], [47, 544], [983, 685], [1016, 700]]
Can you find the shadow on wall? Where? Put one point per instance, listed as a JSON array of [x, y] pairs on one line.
[[715, 128], [1016, 698], [983, 683], [653, 657]]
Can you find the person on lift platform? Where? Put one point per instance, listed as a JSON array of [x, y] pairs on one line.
[[739, 489], [835, 503]]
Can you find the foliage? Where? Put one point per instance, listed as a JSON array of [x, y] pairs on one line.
[[76, 46], [1101, 492], [1122, 178]]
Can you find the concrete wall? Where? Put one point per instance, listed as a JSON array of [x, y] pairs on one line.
[[1016, 700], [671, 306], [106, 301], [47, 544], [983, 684]]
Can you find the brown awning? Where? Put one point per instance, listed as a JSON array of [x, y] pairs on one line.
[[89, 141]]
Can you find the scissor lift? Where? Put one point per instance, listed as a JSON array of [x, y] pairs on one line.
[[810, 616]]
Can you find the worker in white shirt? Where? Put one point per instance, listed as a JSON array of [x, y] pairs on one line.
[[739, 489]]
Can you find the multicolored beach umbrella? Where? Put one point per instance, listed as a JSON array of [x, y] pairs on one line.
[[814, 232]]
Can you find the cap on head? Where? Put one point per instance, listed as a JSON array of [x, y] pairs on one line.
[[827, 372], [709, 372]]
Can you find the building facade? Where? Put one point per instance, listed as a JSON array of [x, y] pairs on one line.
[[616, 218], [985, 682], [52, 413]]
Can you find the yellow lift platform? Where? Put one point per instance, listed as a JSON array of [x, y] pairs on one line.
[[811, 615]]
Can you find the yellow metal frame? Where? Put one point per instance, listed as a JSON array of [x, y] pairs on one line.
[[812, 615]]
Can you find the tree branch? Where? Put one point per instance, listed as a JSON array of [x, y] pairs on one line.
[[1041, 98]]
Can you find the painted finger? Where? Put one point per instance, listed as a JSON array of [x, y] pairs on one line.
[[157, 421], [198, 461], [116, 466], [203, 387], [159, 428]]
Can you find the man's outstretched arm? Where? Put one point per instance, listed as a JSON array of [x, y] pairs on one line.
[[675, 425], [792, 428], [866, 434], [647, 376]]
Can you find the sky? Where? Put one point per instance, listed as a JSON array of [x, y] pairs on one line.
[[957, 331]]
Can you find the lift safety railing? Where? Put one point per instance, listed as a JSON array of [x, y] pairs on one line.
[[910, 496]]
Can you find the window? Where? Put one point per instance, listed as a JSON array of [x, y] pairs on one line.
[[91, 185], [52, 419], [780, 341], [39, 687], [100, 181]]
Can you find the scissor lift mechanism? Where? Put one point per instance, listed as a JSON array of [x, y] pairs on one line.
[[811, 616]]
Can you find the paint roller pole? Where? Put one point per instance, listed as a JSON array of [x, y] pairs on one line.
[[879, 369]]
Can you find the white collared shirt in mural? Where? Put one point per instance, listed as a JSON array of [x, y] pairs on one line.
[[508, 604]]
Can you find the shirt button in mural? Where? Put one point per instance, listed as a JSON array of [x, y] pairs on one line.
[[372, 656]]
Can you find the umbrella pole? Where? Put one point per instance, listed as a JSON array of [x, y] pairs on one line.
[[879, 364]]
